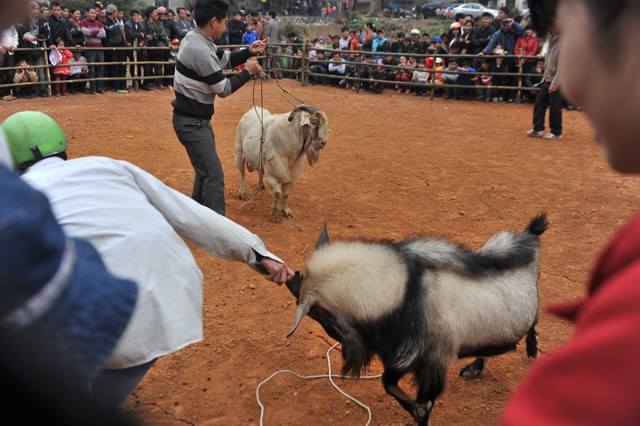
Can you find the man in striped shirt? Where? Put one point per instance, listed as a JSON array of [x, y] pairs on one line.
[[199, 77]]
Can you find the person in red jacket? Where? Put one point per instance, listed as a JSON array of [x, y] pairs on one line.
[[61, 71], [527, 45], [594, 379]]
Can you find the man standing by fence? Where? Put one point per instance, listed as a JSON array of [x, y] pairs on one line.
[[115, 38], [32, 32], [198, 79], [94, 33]]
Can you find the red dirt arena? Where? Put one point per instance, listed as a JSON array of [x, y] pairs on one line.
[[394, 165]]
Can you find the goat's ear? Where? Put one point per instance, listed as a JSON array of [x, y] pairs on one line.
[[304, 119], [323, 239]]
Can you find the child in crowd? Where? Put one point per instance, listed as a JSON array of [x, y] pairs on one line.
[[421, 75], [483, 80], [402, 75], [499, 66], [61, 70], [25, 74], [378, 73], [465, 79], [250, 34], [79, 71], [450, 77]]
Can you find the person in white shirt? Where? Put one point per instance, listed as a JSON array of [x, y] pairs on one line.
[[337, 66], [136, 223]]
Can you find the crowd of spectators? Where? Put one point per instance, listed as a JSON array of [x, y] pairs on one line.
[[74, 42], [365, 57], [488, 49]]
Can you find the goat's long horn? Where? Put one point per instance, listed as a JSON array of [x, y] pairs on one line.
[[323, 239], [309, 108], [303, 309]]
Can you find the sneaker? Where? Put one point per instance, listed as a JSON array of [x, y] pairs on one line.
[[535, 134], [406, 92], [552, 136], [495, 100]]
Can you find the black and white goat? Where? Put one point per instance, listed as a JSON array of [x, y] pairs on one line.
[[420, 304]]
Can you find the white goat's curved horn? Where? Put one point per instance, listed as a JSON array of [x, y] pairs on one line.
[[303, 309], [305, 107]]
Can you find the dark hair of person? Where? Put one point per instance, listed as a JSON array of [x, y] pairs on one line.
[[272, 13], [54, 4], [206, 10], [505, 9], [134, 12], [180, 8], [487, 14]]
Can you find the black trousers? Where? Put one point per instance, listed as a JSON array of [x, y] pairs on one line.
[[196, 135], [545, 100], [117, 70]]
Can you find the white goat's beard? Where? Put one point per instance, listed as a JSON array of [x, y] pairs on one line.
[[313, 154]]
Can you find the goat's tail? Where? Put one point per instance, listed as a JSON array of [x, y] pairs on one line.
[[538, 225]]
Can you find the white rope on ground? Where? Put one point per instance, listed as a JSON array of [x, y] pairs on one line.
[[319, 376]]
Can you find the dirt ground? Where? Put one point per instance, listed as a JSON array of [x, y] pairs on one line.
[[395, 165]]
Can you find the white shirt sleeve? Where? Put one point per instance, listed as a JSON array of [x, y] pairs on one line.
[[215, 233]]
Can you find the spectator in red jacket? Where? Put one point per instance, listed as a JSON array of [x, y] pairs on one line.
[[593, 379], [527, 45]]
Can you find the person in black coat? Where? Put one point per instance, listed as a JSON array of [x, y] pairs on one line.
[[236, 27]]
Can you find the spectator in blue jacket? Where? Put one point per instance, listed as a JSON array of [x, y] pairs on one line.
[[250, 35], [506, 36]]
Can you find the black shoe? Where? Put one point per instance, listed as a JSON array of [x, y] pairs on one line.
[[147, 89], [101, 91]]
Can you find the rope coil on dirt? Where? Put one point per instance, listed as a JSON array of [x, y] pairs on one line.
[[330, 376]]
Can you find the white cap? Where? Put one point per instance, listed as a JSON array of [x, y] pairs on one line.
[[415, 31]]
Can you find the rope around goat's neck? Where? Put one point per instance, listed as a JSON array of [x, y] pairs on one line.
[[330, 376]]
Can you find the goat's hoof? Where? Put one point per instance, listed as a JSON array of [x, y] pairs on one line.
[[421, 413], [273, 217], [287, 213], [469, 372]]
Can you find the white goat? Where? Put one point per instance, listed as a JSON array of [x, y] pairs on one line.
[[277, 147]]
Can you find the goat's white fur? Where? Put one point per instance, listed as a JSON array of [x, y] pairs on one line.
[[281, 157], [373, 286]]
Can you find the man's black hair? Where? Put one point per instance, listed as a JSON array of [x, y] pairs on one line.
[[488, 14], [180, 8], [134, 12], [459, 16], [206, 10], [272, 14], [54, 4], [505, 9]]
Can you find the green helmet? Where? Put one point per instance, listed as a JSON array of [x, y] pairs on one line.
[[32, 136]]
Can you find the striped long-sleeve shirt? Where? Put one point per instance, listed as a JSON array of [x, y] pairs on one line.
[[199, 75]]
